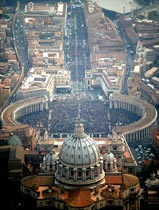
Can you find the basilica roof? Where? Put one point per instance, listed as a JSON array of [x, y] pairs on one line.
[[30, 181], [79, 162], [79, 197], [79, 149], [127, 180], [130, 180]]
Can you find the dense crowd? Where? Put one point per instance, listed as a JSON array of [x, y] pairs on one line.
[[95, 114], [77, 50]]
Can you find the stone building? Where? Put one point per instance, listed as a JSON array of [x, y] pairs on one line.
[[79, 177]]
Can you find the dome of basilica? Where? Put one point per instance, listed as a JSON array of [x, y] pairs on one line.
[[79, 152], [79, 159]]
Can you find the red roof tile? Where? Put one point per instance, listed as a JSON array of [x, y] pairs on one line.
[[79, 198], [113, 179]]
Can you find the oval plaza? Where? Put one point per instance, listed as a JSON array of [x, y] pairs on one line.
[[141, 129]]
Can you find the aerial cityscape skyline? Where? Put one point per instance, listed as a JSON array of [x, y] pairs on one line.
[[79, 103]]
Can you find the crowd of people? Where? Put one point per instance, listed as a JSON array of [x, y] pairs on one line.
[[95, 115], [76, 48]]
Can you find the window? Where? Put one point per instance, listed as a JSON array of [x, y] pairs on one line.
[[80, 173], [132, 190], [115, 148], [110, 202], [108, 165], [72, 173]]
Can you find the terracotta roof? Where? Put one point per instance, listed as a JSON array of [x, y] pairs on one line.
[[126, 179], [127, 154], [130, 180], [128, 157], [113, 179], [79, 198], [30, 181]]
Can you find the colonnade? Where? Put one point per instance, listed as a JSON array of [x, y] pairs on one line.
[[21, 108], [140, 129], [31, 108], [74, 175], [135, 108], [135, 131], [110, 166]]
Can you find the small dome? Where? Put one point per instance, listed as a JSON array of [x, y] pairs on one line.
[[49, 162], [109, 157], [152, 182], [110, 165], [50, 158]]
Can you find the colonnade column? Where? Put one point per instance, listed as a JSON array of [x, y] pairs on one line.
[[98, 169], [101, 166], [105, 165], [54, 167], [67, 172], [111, 165], [60, 169], [57, 170], [41, 107], [110, 104], [84, 174], [75, 174], [92, 172]]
